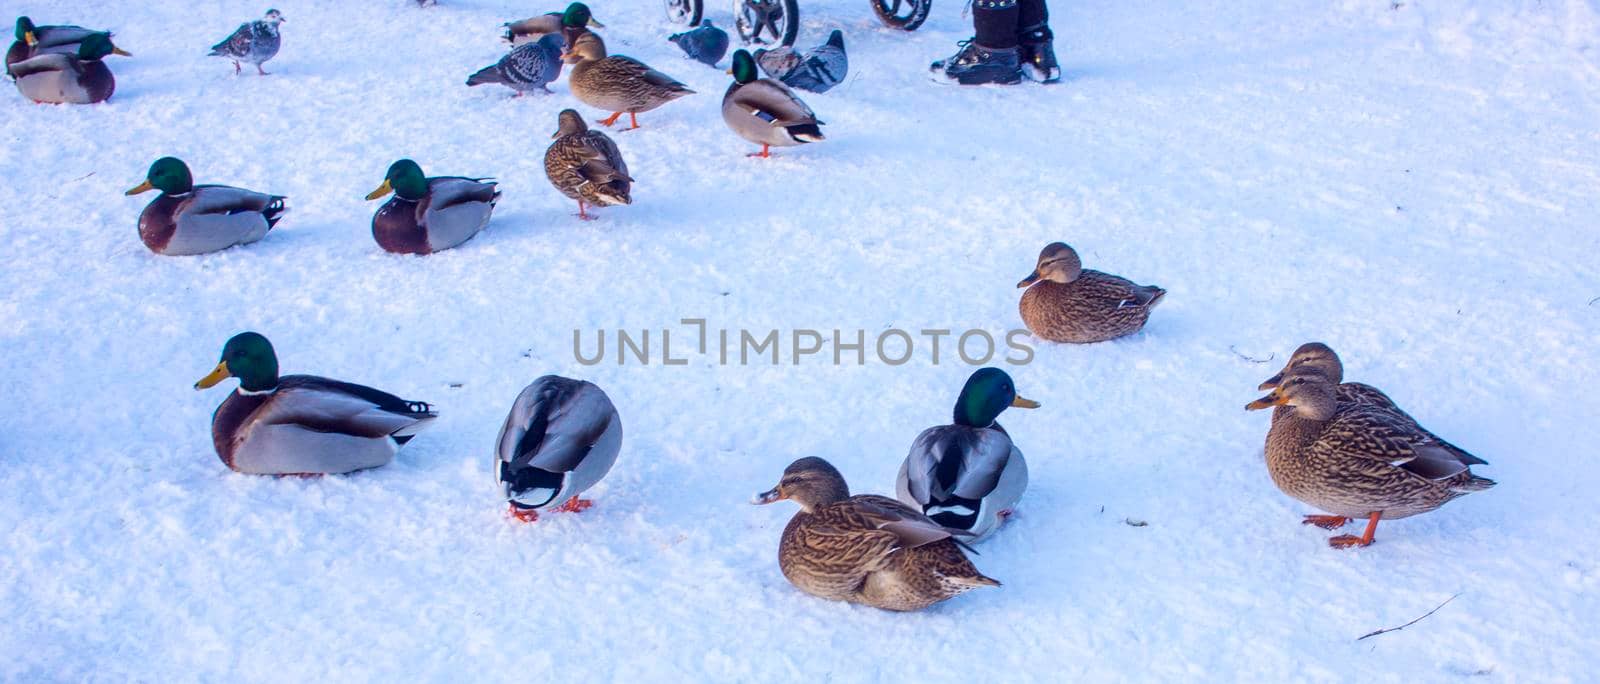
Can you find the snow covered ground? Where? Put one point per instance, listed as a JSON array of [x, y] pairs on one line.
[[1416, 184]]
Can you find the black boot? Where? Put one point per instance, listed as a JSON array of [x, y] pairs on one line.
[[979, 65], [991, 55], [1039, 55]]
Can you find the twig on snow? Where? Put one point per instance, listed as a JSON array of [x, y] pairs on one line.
[[1269, 358], [1592, 301], [1408, 624], [79, 178]]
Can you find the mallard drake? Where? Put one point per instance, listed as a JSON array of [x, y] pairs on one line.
[[1355, 460], [705, 43], [818, 70], [968, 476], [576, 16], [34, 40], [616, 83], [586, 165], [1068, 303], [428, 215], [198, 219], [561, 437], [527, 68], [765, 111], [254, 42], [55, 78], [1318, 358], [865, 549], [303, 424]]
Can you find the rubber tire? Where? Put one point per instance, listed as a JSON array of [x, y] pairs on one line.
[[919, 13], [791, 23], [697, 10]]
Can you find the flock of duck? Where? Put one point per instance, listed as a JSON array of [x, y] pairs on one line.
[[1344, 448]]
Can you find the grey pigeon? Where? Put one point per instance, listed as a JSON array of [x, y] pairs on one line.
[[706, 44], [528, 67], [818, 71], [252, 43]]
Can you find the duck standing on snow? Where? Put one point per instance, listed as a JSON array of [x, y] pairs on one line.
[[616, 83], [56, 78], [1068, 303], [865, 549], [33, 41], [528, 67], [765, 111], [705, 44], [968, 476], [561, 437], [576, 16], [303, 424], [1319, 359], [818, 71], [428, 215], [1356, 460], [253, 42], [198, 219], [586, 165]]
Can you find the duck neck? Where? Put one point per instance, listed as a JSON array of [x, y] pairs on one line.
[[1291, 431]]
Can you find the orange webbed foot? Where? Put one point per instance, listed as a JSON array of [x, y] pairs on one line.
[[526, 515], [1345, 541], [1326, 522], [575, 505], [610, 120]]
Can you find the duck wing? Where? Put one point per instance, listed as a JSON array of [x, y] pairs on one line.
[[951, 468], [554, 428], [771, 102], [323, 405]]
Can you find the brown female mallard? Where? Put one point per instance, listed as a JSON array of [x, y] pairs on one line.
[[585, 165], [865, 549], [1318, 358], [617, 84], [1356, 461], [1068, 303]]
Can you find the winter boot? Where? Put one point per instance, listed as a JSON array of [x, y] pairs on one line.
[[991, 55], [1039, 55]]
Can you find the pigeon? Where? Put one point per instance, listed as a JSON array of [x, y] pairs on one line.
[[818, 71], [527, 68], [252, 43], [706, 44]]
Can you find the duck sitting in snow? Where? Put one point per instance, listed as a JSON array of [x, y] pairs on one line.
[[428, 215], [616, 83], [586, 165], [1069, 303], [253, 42], [1356, 460], [529, 67], [33, 41], [561, 437], [576, 16], [303, 424], [705, 43], [968, 476], [818, 71], [56, 78], [865, 549], [765, 111], [198, 219]]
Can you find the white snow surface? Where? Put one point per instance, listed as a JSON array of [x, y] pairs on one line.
[[1414, 183]]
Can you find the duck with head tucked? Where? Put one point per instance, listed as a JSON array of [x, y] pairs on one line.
[[766, 112], [1066, 302], [586, 165], [428, 215], [1356, 461], [303, 424], [192, 219], [1319, 359], [865, 548], [33, 41], [574, 19], [968, 476], [561, 437], [59, 78], [616, 83]]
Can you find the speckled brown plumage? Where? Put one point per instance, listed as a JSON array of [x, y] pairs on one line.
[[586, 165], [1067, 303], [866, 549], [1354, 460], [616, 83]]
